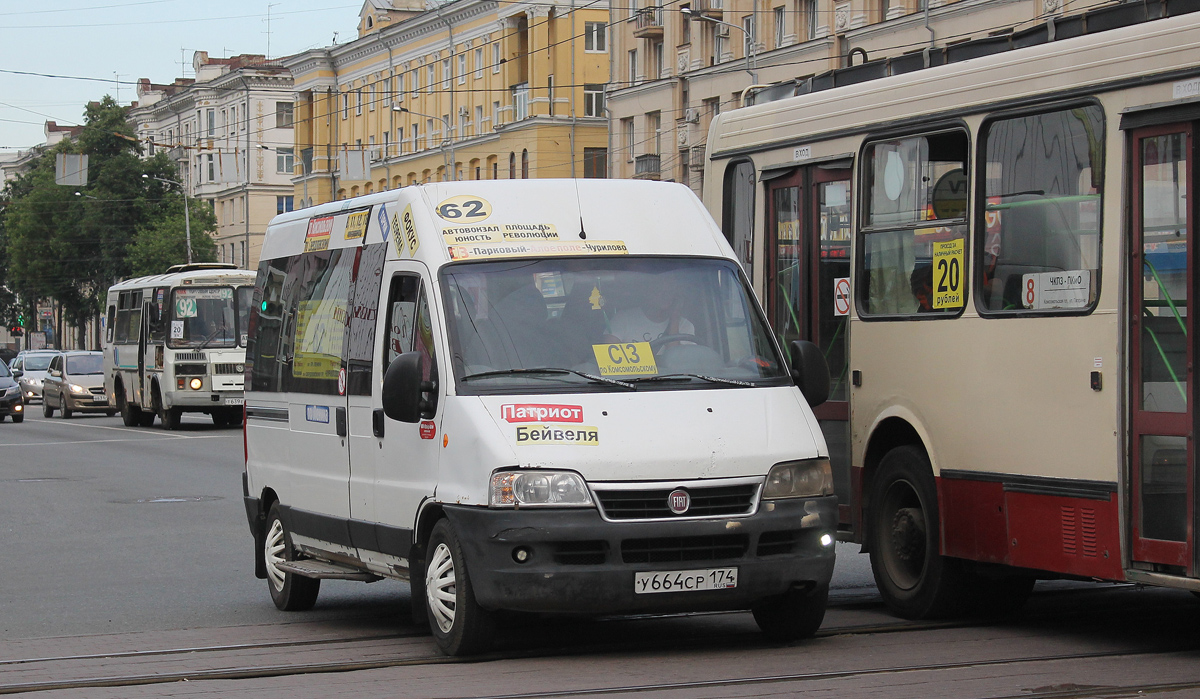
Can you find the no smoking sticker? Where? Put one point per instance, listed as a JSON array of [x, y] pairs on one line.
[[841, 296], [341, 382]]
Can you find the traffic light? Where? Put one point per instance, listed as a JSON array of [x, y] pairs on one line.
[[16, 331]]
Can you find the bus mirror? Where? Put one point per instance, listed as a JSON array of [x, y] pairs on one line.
[[406, 397], [153, 312], [810, 371]]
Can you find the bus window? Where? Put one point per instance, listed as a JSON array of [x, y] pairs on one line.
[[1040, 238], [914, 237], [245, 298], [737, 221]]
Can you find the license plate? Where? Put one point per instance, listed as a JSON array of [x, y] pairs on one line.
[[100, 399], [685, 580], [235, 401]]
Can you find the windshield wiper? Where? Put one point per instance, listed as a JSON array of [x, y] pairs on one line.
[[702, 377], [549, 370], [210, 338]]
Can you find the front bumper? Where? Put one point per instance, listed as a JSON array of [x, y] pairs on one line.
[[12, 405], [203, 399], [31, 391], [580, 563], [85, 403]]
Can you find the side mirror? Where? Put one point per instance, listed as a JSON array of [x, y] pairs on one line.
[[17, 373], [810, 371], [153, 314], [406, 397]]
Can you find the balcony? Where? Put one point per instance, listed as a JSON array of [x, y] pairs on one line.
[[647, 167], [708, 8], [648, 23]]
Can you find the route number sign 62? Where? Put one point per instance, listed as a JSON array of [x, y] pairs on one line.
[[464, 209]]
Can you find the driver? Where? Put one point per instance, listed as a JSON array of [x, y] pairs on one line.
[[656, 315]]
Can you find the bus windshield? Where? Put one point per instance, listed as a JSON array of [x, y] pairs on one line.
[[245, 296], [571, 324], [202, 317]]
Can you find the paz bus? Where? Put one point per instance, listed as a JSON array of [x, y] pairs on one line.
[[176, 342], [991, 244]]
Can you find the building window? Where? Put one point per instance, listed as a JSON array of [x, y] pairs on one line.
[[595, 162], [371, 97], [462, 68], [478, 118], [719, 44], [478, 63], [495, 114], [398, 87], [520, 95], [416, 138], [416, 82], [283, 115], [212, 170], [632, 66], [525, 164], [593, 100], [512, 166], [659, 61], [345, 105], [284, 160], [463, 120], [654, 131], [685, 31], [283, 204], [211, 115], [431, 76], [447, 74], [594, 38], [400, 140], [627, 133], [751, 36], [550, 93], [810, 19], [496, 57], [358, 101], [780, 27]]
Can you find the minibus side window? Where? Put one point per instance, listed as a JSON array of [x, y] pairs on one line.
[[360, 336], [423, 339], [914, 235], [402, 317], [318, 288], [1040, 233], [264, 351]]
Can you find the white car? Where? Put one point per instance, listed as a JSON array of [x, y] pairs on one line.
[[33, 365]]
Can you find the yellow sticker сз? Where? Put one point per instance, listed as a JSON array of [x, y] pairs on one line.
[[625, 359]]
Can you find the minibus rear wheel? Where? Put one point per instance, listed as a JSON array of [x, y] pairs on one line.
[[289, 592], [794, 615], [915, 580], [459, 625]]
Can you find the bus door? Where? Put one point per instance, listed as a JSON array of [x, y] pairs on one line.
[[1162, 353], [808, 289]]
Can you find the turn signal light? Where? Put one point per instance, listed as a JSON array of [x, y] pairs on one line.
[[196, 384]]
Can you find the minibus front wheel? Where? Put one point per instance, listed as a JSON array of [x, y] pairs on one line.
[[289, 592], [459, 625], [794, 615]]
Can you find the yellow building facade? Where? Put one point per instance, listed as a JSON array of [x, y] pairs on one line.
[[472, 89]]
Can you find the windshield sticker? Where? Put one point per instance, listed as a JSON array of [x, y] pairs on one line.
[[384, 228], [530, 231], [472, 234], [1069, 289], [317, 238], [625, 359], [397, 236], [464, 208], [317, 413], [177, 330], [185, 307], [356, 224], [540, 412], [410, 231], [204, 293], [428, 429], [537, 248], [948, 273], [596, 298], [557, 434]]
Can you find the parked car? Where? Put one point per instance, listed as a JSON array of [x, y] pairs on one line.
[[33, 365], [75, 383], [10, 396]]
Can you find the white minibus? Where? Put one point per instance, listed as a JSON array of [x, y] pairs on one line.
[[176, 343], [547, 396]]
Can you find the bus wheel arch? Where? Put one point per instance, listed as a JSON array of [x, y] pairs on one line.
[[430, 514], [890, 433], [267, 499]]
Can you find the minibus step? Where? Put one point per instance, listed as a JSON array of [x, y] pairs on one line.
[[328, 571]]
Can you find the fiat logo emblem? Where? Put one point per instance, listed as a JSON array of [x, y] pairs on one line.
[[679, 501]]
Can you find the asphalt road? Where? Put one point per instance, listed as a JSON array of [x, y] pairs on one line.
[[108, 529]]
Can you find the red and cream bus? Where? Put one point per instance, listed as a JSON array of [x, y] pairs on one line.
[[992, 245]]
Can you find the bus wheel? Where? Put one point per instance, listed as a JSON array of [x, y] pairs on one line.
[[129, 413], [460, 626], [169, 417], [289, 592], [793, 615], [914, 580], [219, 418], [145, 419]]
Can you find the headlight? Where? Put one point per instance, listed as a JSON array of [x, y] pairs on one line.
[[799, 479], [195, 384], [76, 388], [539, 488]]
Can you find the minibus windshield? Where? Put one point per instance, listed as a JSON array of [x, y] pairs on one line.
[[606, 324], [202, 317]]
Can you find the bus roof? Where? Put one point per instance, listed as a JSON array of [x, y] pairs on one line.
[[473, 220], [199, 277]]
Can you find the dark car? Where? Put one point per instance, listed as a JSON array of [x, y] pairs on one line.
[[10, 396]]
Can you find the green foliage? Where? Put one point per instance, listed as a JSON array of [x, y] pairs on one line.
[[163, 242], [57, 243]]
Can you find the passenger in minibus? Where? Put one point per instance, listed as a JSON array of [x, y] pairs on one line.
[[656, 313]]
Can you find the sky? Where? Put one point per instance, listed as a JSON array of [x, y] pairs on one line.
[[113, 43]]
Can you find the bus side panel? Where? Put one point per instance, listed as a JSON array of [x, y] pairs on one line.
[[973, 519], [1071, 535]]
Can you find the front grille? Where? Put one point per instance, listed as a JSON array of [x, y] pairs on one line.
[[191, 369], [580, 553], [190, 357], [680, 549], [652, 504], [226, 369], [776, 543], [98, 390]]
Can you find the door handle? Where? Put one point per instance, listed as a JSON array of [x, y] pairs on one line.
[[340, 419], [377, 422]]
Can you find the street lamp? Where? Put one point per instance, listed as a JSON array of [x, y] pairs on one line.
[[449, 161], [689, 13], [187, 220]]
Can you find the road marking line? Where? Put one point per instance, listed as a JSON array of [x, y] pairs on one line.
[[101, 441]]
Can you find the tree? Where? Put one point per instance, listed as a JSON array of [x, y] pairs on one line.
[[163, 241]]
